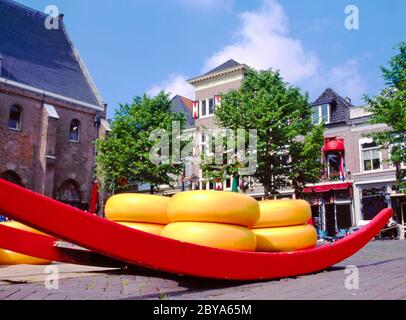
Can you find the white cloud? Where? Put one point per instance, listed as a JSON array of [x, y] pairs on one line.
[[208, 4], [175, 84], [263, 42], [347, 80]]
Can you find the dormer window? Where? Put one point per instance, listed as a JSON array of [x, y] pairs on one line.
[[321, 113]]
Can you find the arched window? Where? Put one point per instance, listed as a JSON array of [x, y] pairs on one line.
[[74, 133], [12, 177], [14, 120], [69, 193]]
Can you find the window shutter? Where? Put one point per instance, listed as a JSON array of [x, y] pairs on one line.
[[195, 109]]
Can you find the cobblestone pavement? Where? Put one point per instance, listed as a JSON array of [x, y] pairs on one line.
[[381, 265]]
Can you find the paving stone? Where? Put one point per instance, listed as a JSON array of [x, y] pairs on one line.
[[381, 267]]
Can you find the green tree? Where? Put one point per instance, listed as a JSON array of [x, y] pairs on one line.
[[288, 144], [390, 108], [124, 156]]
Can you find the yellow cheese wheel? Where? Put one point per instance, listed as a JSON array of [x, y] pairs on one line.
[[132, 207], [283, 213], [214, 206], [20, 226], [146, 227], [286, 239], [13, 258], [8, 258], [215, 235]]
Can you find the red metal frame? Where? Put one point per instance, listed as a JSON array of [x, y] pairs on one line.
[[151, 251], [45, 247]]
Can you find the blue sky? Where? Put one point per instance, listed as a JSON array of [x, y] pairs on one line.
[[137, 46]]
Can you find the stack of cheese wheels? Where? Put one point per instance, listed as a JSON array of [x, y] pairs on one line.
[[143, 212], [213, 219], [13, 258], [282, 226]]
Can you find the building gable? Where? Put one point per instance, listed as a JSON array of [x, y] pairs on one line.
[[40, 58], [340, 107]]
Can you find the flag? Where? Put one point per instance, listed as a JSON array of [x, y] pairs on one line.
[[219, 184], [217, 101], [195, 109], [342, 167], [94, 197]]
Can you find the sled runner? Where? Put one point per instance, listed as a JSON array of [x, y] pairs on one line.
[[146, 250]]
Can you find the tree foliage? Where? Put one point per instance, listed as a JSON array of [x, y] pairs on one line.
[[282, 117], [390, 108], [124, 156]]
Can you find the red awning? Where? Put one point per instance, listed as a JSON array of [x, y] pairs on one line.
[[328, 187], [334, 145]]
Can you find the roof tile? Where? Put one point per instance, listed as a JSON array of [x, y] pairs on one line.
[[38, 57]]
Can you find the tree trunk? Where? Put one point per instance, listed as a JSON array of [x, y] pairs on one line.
[[266, 193]]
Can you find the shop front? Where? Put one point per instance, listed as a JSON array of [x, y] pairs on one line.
[[332, 208]]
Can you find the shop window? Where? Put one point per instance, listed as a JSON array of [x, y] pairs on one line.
[[373, 202], [371, 156], [74, 129], [15, 116]]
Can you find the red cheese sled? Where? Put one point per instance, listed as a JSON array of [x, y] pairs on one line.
[[154, 252]]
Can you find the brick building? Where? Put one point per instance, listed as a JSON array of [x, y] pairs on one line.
[[50, 109]]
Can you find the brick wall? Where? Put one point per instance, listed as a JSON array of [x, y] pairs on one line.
[[41, 153]]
